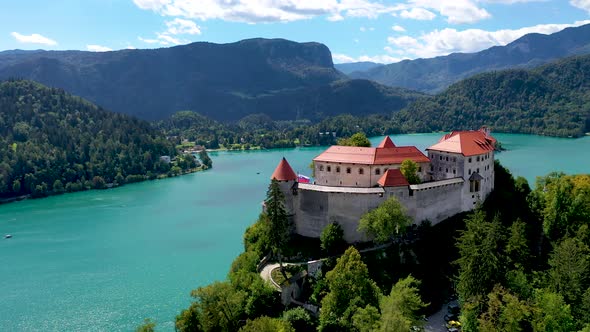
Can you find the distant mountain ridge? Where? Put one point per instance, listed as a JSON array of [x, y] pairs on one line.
[[553, 100], [284, 79], [435, 74], [348, 68]]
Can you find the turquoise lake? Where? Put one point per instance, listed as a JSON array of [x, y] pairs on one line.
[[105, 260]]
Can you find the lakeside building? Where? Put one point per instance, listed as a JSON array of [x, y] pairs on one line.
[[456, 174]]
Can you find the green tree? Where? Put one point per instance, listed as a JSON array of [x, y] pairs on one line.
[[505, 312], [188, 319], [358, 139], [366, 319], [332, 239], [267, 324], [569, 272], [220, 305], [278, 222], [58, 186], [551, 313], [517, 250], [409, 170], [256, 237], [385, 222], [480, 263], [350, 289], [300, 319], [147, 326], [400, 309], [16, 187]]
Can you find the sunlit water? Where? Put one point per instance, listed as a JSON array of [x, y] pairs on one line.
[[105, 260]]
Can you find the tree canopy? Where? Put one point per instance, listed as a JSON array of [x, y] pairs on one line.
[[386, 221]]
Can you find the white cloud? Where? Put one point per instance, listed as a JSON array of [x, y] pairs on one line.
[[180, 26], [166, 39], [398, 28], [98, 48], [446, 41], [148, 41], [582, 4], [256, 11], [342, 58], [418, 13], [33, 39], [130, 47], [364, 29], [456, 11]]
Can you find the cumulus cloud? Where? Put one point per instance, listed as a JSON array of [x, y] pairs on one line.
[[257, 11], [418, 13], [98, 48], [180, 26], [456, 11], [582, 4], [446, 41], [398, 28], [33, 39]]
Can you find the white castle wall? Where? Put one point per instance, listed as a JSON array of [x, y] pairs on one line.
[[315, 209]]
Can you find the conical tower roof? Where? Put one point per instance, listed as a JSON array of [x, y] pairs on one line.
[[386, 143], [284, 172]]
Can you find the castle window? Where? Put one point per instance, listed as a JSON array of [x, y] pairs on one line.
[[478, 170], [470, 171], [361, 171], [446, 170], [431, 168], [440, 157], [469, 159], [377, 171], [477, 159], [447, 158], [329, 168], [337, 169], [419, 169], [321, 168], [454, 171], [348, 170]]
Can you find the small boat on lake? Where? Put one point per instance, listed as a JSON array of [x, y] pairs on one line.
[[7, 236]]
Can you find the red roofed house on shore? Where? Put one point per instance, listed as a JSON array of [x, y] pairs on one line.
[[457, 173]]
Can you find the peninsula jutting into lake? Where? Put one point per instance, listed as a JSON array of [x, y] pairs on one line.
[[263, 165]]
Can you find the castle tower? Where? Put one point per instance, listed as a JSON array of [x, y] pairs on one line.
[[386, 143], [287, 179]]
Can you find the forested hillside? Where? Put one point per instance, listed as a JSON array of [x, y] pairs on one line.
[[51, 142], [550, 100], [283, 79], [434, 74]]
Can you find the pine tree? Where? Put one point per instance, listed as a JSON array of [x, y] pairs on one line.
[[278, 230]]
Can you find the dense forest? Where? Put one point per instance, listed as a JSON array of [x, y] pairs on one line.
[[52, 142], [552, 100], [519, 262]]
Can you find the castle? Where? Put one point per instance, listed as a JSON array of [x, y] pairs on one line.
[[457, 173]]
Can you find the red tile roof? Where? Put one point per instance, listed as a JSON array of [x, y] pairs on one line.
[[393, 178], [284, 172], [386, 143], [468, 143], [372, 156]]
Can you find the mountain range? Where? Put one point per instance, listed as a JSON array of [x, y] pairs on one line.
[[284, 79], [553, 99], [434, 74]]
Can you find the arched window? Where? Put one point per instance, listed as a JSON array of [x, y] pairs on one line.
[[377, 171], [329, 168], [337, 169], [348, 170], [361, 171]]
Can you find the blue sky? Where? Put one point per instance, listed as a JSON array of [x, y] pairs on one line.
[[355, 30]]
